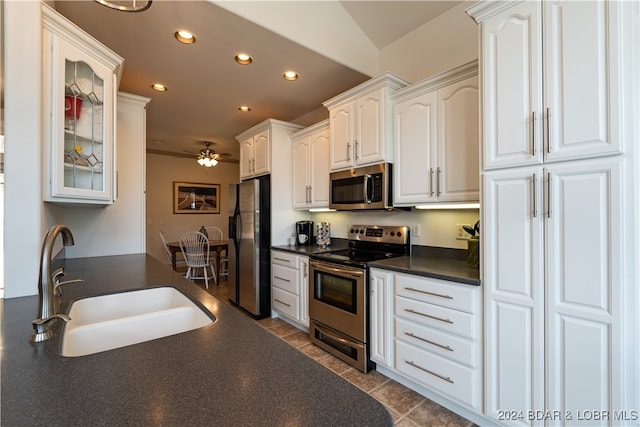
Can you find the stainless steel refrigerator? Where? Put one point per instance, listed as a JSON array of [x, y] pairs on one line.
[[249, 249]]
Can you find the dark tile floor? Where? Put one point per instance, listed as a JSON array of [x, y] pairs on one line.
[[408, 408]]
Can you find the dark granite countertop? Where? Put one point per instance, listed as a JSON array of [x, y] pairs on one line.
[[438, 268], [230, 373], [336, 245]]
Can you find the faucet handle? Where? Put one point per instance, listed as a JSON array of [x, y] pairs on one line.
[[57, 286], [38, 322], [57, 274]]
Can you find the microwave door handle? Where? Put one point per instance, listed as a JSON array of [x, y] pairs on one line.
[[367, 178]]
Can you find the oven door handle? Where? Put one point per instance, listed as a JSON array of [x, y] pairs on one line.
[[336, 337], [331, 268]]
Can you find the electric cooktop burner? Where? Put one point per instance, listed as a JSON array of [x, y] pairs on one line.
[[370, 243]]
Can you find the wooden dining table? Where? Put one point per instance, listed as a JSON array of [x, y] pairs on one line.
[[216, 245]]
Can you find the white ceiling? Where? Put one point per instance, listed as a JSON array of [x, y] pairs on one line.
[[206, 86]]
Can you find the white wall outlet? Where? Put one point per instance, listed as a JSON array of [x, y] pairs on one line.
[[460, 233], [416, 230]]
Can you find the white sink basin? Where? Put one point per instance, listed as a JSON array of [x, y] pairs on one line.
[[117, 320]]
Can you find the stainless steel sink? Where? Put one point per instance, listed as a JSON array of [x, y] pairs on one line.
[[120, 319]]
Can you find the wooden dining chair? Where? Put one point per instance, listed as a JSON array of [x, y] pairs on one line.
[[179, 262], [195, 249], [215, 233]]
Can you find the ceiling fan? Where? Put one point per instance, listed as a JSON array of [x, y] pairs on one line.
[[208, 157]]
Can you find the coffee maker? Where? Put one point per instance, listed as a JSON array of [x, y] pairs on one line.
[[304, 233]]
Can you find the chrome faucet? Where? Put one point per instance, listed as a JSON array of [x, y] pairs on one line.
[[48, 283]]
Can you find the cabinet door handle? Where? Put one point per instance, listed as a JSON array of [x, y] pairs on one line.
[[431, 182], [548, 194], [409, 310], [548, 130], [533, 133], [357, 146], [280, 259], [349, 151], [442, 377], [281, 278], [535, 203], [412, 335], [438, 182], [429, 293], [282, 302]]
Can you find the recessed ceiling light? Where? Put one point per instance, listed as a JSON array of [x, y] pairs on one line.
[[244, 108], [184, 36], [243, 58], [290, 75], [159, 87]]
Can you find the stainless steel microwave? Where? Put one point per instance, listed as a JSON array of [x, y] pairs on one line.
[[367, 187]]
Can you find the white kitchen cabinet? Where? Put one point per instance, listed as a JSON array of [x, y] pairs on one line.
[[381, 317], [360, 123], [303, 271], [80, 86], [559, 63], [438, 337], [289, 287], [257, 144], [311, 167], [553, 280], [436, 139], [255, 155], [557, 268]]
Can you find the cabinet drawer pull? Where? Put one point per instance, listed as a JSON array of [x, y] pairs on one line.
[[428, 315], [411, 363], [280, 259], [429, 293], [282, 302], [281, 278], [412, 335]]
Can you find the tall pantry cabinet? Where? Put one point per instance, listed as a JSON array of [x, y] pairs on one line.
[[557, 267]]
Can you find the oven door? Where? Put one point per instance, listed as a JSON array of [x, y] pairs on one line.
[[337, 298]]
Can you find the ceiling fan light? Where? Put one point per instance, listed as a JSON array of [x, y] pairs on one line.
[[207, 157]]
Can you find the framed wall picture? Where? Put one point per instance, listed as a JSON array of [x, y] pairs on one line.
[[194, 198]]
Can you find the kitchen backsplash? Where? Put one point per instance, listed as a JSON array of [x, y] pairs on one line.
[[437, 227]]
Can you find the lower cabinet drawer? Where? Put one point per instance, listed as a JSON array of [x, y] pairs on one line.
[[285, 278], [285, 303], [444, 376], [446, 319], [446, 345]]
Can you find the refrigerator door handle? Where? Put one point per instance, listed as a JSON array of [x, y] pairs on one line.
[[238, 235]]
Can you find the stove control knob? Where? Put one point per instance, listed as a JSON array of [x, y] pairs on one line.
[[352, 231], [399, 233], [393, 233]]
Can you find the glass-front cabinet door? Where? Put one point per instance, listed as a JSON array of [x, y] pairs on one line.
[[80, 89]]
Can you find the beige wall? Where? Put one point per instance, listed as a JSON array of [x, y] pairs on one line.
[[443, 43], [162, 171]]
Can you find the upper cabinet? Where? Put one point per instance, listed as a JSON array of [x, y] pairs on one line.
[[255, 155], [80, 87], [310, 154], [436, 139], [560, 65], [360, 123], [256, 145]]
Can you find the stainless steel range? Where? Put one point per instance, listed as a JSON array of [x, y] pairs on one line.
[[339, 289]]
